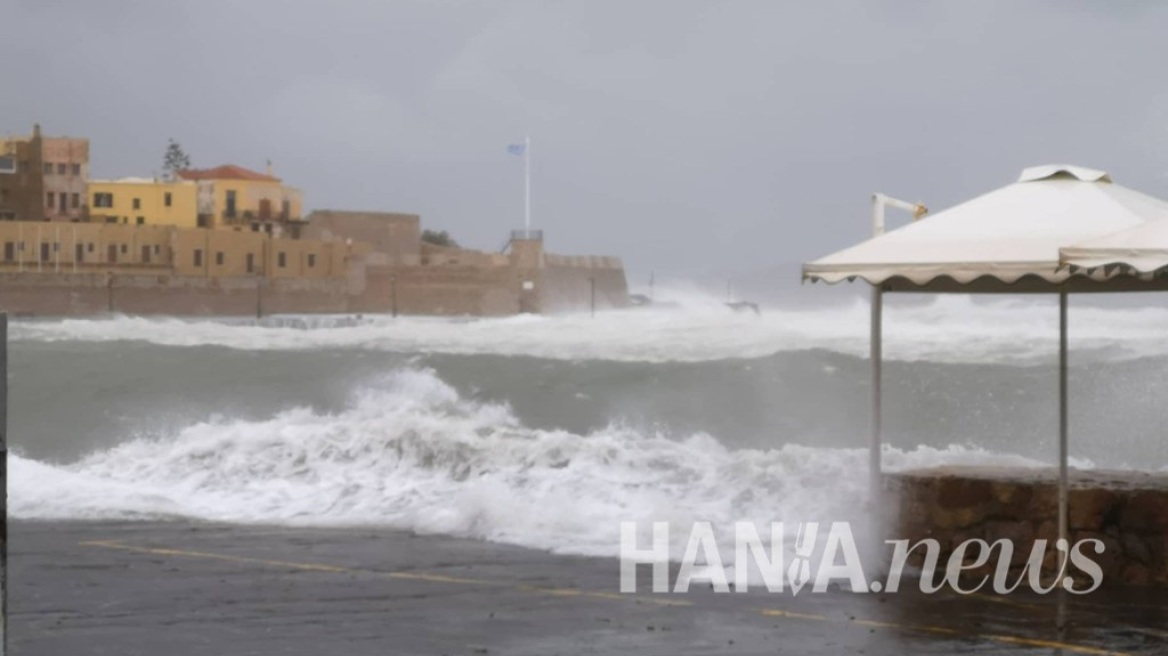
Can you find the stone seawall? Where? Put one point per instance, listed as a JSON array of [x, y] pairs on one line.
[[1127, 511], [440, 290], [566, 284], [461, 283], [81, 294]]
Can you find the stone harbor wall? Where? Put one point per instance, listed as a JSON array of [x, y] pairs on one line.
[[1127, 511], [87, 294]]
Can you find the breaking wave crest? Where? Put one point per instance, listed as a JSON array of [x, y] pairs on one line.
[[409, 452]]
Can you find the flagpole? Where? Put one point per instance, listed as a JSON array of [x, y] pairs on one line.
[[527, 187]]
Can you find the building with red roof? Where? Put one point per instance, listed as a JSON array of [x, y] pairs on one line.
[[234, 196]]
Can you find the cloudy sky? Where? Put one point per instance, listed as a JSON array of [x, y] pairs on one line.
[[690, 138]]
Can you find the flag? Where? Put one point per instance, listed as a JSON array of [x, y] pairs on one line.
[[517, 149]]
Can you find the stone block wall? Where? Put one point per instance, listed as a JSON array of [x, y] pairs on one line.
[[1127, 511]]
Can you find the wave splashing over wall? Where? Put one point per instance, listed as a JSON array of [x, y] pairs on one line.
[[944, 329]]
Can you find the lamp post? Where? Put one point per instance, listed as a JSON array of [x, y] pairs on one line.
[[393, 294]]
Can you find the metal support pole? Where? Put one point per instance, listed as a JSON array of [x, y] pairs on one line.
[[1063, 525], [879, 202], [592, 281], [527, 187], [876, 353], [3, 483], [393, 293], [1062, 492]]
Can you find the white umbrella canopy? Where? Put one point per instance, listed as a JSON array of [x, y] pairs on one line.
[[1142, 250], [1006, 235], [1007, 241]]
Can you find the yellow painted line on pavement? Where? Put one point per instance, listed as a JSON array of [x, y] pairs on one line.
[[159, 551], [771, 612], [577, 592], [433, 578], [1054, 644], [410, 576], [611, 596]]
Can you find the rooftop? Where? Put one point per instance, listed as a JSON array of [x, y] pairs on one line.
[[226, 172]]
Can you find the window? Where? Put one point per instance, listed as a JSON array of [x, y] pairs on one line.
[[229, 211], [280, 260], [250, 262], [156, 249], [7, 164], [49, 200], [48, 169], [62, 168], [198, 257], [9, 251], [141, 220], [137, 203], [56, 246], [3, 195], [145, 255], [125, 249], [219, 258], [166, 199], [76, 169], [76, 201], [64, 202], [102, 199], [111, 219], [311, 260], [89, 247]]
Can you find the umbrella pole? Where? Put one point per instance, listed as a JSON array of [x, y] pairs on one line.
[[877, 355], [1063, 527], [1062, 491], [875, 343]]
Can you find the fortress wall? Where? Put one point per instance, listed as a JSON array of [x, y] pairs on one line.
[[440, 290], [566, 283], [81, 294]]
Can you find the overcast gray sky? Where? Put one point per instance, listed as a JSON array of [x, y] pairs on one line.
[[690, 138]]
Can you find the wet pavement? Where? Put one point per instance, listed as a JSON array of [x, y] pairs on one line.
[[179, 588]]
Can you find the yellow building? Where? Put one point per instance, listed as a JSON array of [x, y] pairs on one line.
[[232, 196], [143, 201]]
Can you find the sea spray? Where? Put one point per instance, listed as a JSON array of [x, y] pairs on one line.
[[410, 452], [945, 329]]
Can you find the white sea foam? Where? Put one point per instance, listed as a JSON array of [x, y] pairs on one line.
[[411, 453], [946, 329]]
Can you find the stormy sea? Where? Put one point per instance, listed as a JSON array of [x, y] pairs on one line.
[[547, 432]]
